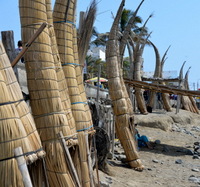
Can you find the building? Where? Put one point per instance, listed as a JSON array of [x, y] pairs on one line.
[[97, 52]]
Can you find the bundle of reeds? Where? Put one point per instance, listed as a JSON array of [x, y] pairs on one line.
[[79, 78], [64, 24], [46, 102], [122, 106], [16, 130], [63, 16], [17, 97], [62, 83]]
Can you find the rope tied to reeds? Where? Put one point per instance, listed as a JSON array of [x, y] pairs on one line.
[[11, 102], [65, 21], [24, 154], [70, 63], [85, 129], [79, 103]]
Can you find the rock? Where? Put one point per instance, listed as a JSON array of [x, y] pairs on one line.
[[157, 142], [196, 157], [189, 152], [155, 161], [104, 184], [179, 161], [157, 183], [154, 121], [196, 143], [121, 157], [194, 179], [195, 169], [109, 180]]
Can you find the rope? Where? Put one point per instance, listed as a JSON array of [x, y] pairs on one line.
[[79, 103], [12, 102], [65, 64], [65, 21], [84, 129], [24, 154]]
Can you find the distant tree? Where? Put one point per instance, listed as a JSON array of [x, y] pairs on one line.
[[92, 66]]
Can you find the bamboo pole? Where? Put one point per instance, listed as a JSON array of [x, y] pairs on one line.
[[69, 160], [23, 167]]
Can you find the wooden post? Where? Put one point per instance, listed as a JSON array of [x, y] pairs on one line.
[[98, 82], [96, 160], [178, 101], [89, 160], [9, 44], [23, 167], [113, 136], [69, 161], [45, 172]]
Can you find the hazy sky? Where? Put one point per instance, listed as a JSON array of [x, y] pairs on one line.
[[175, 23]]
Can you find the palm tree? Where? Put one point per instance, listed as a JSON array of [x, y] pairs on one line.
[[92, 66], [126, 15]]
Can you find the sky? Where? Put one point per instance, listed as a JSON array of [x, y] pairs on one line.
[[174, 22]]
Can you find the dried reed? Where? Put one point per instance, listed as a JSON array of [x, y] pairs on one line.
[[46, 102], [64, 13], [121, 103], [17, 126], [62, 83]]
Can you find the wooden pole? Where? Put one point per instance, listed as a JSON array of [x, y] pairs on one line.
[[69, 161], [45, 172], [23, 167], [96, 160], [89, 160], [21, 54], [178, 101], [98, 82], [9, 44], [113, 136]]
